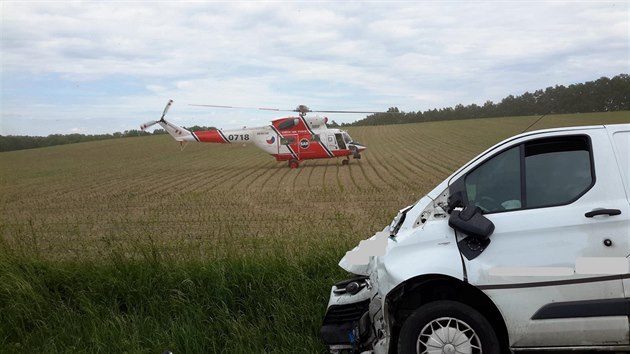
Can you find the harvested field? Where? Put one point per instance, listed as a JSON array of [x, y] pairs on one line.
[[128, 235]]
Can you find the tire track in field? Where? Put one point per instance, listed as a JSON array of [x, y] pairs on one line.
[[381, 160], [414, 162], [284, 175], [376, 172], [228, 171], [195, 179], [253, 170], [295, 178], [166, 185], [433, 162], [389, 164], [177, 175], [425, 158], [200, 180], [321, 169], [262, 170], [352, 178], [258, 183], [398, 173], [427, 151], [275, 172], [324, 181], [112, 185], [338, 178], [365, 176], [177, 179]]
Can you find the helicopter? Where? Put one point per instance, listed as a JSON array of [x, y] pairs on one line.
[[292, 139]]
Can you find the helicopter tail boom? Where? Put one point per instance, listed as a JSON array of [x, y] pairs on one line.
[[178, 133]]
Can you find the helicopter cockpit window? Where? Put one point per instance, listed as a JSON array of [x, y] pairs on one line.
[[340, 143], [347, 138], [315, 138]]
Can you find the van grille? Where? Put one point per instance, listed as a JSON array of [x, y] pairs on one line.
[[346, 313]]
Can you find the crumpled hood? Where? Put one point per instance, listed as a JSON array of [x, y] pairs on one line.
[[360, 260]]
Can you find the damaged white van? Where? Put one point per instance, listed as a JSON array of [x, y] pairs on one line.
[[523, 248]]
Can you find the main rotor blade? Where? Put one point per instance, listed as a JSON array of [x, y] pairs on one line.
[[299, 109], [318, 111], [237, 107]]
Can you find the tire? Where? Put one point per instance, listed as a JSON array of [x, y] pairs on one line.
[[468, 331], [293, 164]]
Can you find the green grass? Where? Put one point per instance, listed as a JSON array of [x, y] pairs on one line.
[[248, 304], [130, 245]]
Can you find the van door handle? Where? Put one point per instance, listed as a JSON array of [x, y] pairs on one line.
[[596, 212]]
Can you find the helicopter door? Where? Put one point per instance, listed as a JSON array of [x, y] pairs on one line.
[[340, 142], [290, 141]]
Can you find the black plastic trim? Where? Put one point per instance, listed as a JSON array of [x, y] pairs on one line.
[[588, 308], [340, 321], [554, 282], [610, 212]]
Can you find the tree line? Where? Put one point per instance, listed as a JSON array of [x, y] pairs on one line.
[[21, 142], [602, 95]]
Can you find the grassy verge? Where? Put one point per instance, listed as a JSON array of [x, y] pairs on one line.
[[240, 304]]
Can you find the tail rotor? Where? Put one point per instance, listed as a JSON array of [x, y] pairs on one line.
[[168, 105], [152, 122]]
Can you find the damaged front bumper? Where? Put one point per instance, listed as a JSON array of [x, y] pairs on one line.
[[354, 320]]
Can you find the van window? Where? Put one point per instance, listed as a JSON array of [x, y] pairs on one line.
[[557, 172], [541, 173], [496, 185]]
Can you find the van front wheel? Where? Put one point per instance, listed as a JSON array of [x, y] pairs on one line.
[[447, 327]]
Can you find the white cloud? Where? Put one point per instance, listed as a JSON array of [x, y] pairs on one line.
[[120, 61]]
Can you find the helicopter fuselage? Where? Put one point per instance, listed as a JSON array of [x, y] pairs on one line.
[[292, 139]]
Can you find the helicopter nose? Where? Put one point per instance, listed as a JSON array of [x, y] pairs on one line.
[[359, 147]]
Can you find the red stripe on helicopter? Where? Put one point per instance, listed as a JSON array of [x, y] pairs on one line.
[[321, 144], [317, 155], [211, 136]]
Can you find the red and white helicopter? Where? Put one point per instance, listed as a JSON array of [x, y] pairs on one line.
[[292, 139]]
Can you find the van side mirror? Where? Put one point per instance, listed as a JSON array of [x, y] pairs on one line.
[[471, 222], [477, 228], [455, 200]]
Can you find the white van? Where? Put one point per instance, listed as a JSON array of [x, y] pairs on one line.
[[523, 248]]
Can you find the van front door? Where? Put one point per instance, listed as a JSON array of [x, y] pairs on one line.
[[554, 272]]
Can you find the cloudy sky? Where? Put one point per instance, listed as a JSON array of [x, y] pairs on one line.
[[101, 67]]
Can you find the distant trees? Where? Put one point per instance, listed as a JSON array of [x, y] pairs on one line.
[[197, 128], [21, 142], [601, 95]]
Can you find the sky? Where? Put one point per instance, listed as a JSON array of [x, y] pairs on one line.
[[96, 67]]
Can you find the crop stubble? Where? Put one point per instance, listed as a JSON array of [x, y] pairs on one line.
[[77, 201]]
